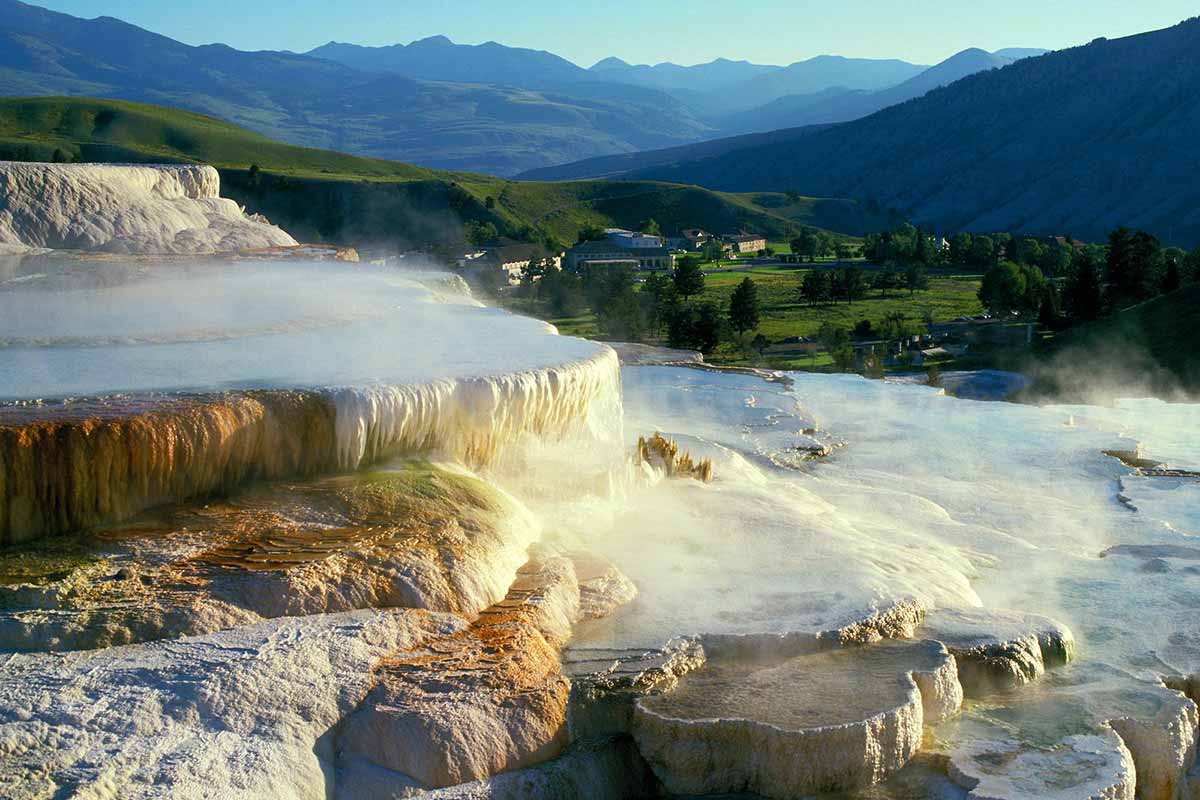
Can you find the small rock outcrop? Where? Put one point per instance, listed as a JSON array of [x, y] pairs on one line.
[[797, 725], [999, 649], [1096, 767]]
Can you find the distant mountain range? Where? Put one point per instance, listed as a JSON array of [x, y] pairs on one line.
[[839, 104], [448, 124], [1077, 141], [487, 107]]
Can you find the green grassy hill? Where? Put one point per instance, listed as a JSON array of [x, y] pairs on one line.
[[326, 195], [103, 130]]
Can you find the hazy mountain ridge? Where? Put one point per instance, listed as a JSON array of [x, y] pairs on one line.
[[1078, 140], [488, 107], [321, 103], [841, 105]]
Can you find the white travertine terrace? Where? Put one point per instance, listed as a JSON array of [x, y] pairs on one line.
[[148, 210]]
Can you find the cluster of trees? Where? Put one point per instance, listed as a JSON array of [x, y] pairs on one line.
[[824, 286], [665, 306], [905, 244], [813, 244], [909, 244], [1088, 281]]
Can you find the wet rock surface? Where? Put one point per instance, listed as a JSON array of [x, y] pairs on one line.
[[490, 699], [415, 536], [795, 725], [998, 650], [1095, 767]]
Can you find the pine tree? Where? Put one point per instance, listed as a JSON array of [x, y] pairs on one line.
[[743, 307]]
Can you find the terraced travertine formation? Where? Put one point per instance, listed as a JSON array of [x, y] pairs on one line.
[[330, 531], [114, 409], [155, 209], [793, 726]]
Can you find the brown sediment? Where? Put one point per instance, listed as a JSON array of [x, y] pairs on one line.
[[72, 466], [663, 453], [412, 536], [487, 699]]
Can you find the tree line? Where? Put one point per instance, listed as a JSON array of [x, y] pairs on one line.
[[1094, 281]]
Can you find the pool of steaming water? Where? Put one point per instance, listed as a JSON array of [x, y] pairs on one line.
[[259, 326]]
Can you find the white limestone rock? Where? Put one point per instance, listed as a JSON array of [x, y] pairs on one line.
[[606, 683], [238, 714], [602, 769], [153, 210], [1084, 767], [1163, 744]]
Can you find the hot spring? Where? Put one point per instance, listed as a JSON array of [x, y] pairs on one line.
[[330, 531]]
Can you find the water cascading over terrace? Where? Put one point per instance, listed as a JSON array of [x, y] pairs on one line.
[[197, 378]]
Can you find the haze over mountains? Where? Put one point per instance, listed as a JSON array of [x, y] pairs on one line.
[[1080, 141], [487, 108]]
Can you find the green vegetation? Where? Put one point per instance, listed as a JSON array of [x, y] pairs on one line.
[[785, 316], [113, 130]]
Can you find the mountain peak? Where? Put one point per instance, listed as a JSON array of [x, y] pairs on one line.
[[612, 62], [437, 41]]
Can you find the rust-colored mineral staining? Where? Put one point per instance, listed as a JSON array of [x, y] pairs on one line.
[[76, 465]]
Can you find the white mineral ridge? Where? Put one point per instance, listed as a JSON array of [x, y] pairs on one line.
[[236, 714], [150, 210]]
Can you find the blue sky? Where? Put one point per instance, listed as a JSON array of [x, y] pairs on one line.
[[649, 31]]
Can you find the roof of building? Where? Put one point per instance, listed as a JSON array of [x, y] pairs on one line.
[[608, 248], [746, 237]]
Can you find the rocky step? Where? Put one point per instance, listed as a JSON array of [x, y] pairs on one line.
[[486, 700], [996, 649], [1091, 767], [1042, 727], [414, 535], [785, 726]]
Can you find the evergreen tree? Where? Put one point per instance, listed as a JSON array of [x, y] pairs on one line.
[[1119, 268], [1191, 267], [817, 287], [1083, 294], [915, 279], [885, 280], [853, 284], [743, 307], [1172, 279], [1048, 311], [689, 278]]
